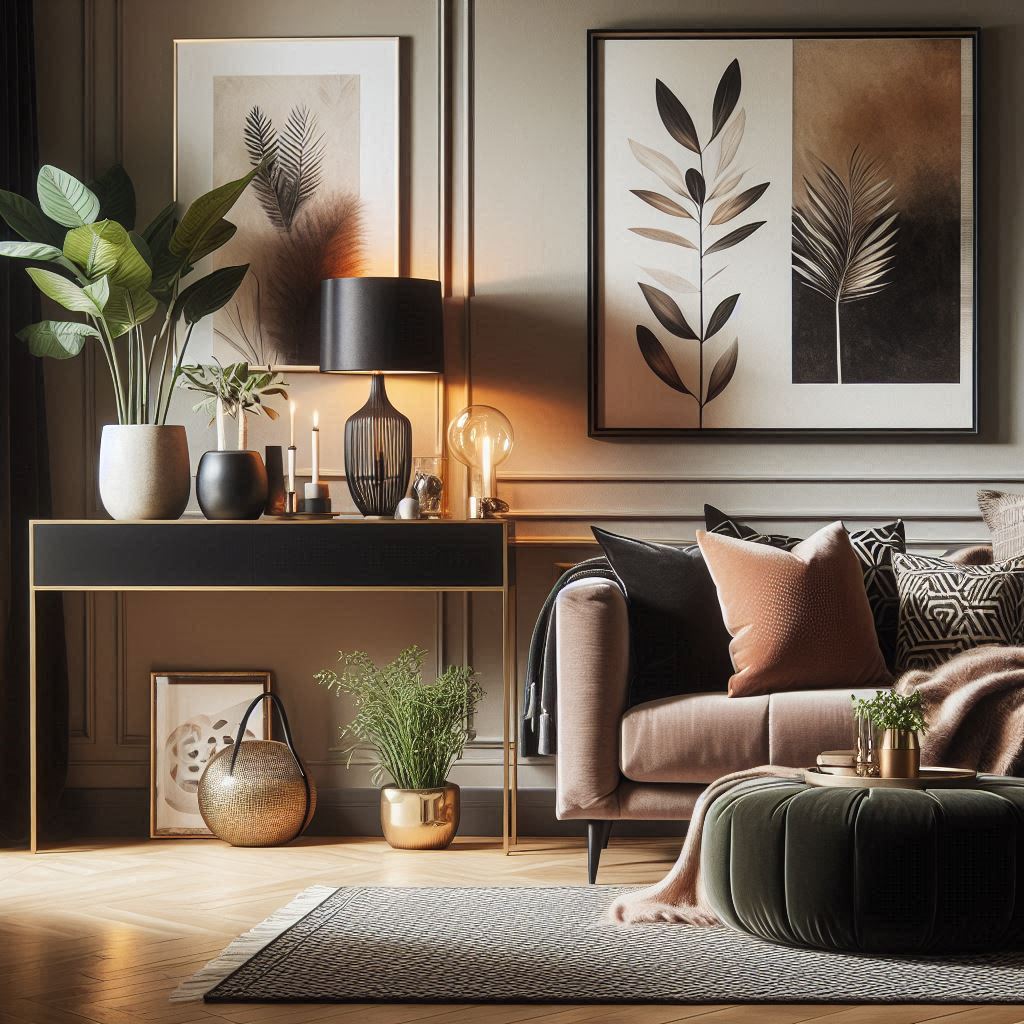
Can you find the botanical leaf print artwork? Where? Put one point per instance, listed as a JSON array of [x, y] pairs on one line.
[[844, 236], [705, 205], [782, 232]]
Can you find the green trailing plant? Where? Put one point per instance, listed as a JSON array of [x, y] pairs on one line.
[[233, 390], [891, 710], [417, 730], [120, 280]]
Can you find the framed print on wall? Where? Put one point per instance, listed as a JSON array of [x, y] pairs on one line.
[[782, 232], [324, 114], [195, 715]]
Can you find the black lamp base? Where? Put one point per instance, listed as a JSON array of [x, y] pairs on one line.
[[378, 453]]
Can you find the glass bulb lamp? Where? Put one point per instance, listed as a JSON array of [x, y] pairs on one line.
[[481, 438], [378, 325]]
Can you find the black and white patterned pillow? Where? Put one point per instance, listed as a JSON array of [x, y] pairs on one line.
[[875, 549], [946, 608]]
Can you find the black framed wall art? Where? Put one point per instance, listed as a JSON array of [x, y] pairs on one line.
[[782, 232]]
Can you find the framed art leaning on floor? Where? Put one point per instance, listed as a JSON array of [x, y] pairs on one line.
[[782, 232], [195, 715]]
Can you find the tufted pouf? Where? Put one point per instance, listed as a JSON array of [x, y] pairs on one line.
[[869, 870]]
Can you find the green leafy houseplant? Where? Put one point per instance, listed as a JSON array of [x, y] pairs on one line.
[[418, 730], [118, 279], [233, 390], [891, 710]]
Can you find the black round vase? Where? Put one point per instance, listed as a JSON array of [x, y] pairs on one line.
[[232, 485]]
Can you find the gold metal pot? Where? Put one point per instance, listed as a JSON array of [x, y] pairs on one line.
[[419, 819], [899, 754]]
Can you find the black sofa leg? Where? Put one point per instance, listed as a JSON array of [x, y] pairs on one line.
[[597, 840]]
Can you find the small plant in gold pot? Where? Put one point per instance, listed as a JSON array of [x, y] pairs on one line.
[[417, 731], [899, 717]]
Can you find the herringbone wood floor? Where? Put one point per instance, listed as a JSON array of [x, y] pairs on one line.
[[104, 934]]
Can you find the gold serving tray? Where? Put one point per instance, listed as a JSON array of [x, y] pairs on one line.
[[930, 778]]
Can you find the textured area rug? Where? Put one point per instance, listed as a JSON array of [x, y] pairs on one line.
[[550, 945]]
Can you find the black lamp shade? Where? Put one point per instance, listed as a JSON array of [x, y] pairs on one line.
[[381, 324]]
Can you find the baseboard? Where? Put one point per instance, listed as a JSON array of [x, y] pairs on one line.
[[92, 813]]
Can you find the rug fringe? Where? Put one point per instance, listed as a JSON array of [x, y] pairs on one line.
[[248, 945]]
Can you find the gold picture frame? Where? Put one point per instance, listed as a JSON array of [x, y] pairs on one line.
[[186, 731]]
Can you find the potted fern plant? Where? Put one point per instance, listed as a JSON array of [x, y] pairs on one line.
[[232, 484], [417, 732], [900, 719], [124, 286]]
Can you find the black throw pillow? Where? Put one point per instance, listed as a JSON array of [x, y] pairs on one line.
[[874, 548], [679, 641]]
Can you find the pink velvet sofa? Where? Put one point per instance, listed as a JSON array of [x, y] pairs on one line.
[[651, 761]]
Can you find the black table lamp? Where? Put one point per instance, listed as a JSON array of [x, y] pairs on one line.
[[380, 325]]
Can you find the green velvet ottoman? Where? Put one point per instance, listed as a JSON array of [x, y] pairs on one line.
[[870, 870]]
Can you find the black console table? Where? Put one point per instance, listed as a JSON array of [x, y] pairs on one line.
[[280, 555]]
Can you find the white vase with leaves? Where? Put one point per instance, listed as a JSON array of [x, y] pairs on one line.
[[125, 287]]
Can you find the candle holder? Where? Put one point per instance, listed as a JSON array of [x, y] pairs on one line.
[[291, 502], [317, 497]]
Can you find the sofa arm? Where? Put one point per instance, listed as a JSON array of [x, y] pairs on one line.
[[592, 660]]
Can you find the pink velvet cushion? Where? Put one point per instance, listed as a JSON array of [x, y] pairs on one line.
[[799, 619]]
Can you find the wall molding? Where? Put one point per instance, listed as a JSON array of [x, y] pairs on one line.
[[759, 478], [778, 515]]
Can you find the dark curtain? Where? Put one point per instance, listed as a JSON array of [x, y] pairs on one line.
[[24, 465]]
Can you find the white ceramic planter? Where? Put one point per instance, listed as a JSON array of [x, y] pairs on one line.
[[144, 471]]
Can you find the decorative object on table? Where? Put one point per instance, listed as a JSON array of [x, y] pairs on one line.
[[194, 715], [232, 484], [837, 762], [317, 494], [947, 607], [866, 737], [1003, 513], [481, 438], [874, 547], [926, 778], [380, 325], [118, 279], [273, 459], [417, 732], [320, 117], [799, 619], [900, 719], [258, 792], [291, 501], [408, 508], [785, 215], [144, 470], [428, 476]]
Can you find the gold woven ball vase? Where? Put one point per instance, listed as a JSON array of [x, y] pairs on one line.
[[257, 792]]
